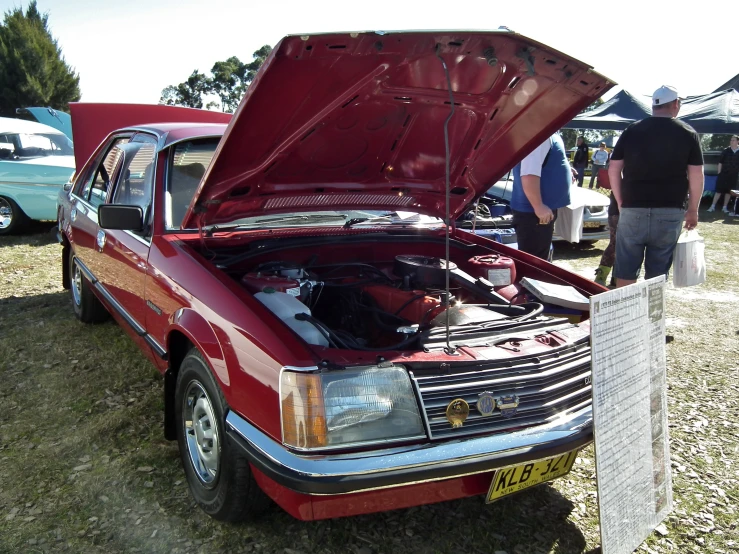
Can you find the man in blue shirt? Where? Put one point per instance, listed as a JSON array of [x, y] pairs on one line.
[[541, 185]]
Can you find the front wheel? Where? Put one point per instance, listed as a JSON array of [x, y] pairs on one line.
[[219, 477], [12, 218]]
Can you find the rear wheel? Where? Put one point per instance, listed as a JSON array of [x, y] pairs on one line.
[[219, 477], [87, 308], [12, 218]]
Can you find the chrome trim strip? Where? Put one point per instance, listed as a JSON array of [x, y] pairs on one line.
[[128, 318], [419, 401], [406, 460], [158, 348], [306, 369]]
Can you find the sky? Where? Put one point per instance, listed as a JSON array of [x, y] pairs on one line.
[[129, 51]]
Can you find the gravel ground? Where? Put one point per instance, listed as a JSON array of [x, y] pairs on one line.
[[84, 467]]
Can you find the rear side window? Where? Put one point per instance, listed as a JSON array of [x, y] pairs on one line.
[[136, 180], [94, 189], [189, 162]]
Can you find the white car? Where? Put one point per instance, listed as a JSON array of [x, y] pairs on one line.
[[595, 215]]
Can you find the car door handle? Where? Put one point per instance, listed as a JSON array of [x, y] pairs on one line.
[[73, 215], [101, 238]]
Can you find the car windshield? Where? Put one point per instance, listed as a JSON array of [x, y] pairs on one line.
[[34, 145], [191, 159], [323, 218], [19, 146]]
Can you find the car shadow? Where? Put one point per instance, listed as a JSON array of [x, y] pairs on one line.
[[536, 520], [35, 233]]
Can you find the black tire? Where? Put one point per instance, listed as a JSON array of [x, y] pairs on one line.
[[87, 308], [12, 218], [219, 477]]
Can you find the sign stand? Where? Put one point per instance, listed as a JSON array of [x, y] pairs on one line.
[[632, 453]]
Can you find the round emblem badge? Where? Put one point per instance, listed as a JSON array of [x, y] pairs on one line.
[[457, 411], [485, 403]]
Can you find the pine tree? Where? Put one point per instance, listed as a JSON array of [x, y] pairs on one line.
[[33, 71]]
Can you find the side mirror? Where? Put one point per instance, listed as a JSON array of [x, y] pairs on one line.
[[67, 187], [116, 216]]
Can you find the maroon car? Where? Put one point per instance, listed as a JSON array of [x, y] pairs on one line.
[[327, 342]]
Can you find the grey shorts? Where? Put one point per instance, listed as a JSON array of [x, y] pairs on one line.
[[647, 235]]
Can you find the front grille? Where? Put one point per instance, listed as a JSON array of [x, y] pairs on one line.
[[546, 388]]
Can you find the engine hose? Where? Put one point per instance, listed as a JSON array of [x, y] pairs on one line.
[[355, 346]]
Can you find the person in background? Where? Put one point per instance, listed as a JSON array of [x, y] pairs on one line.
[[580, 161], [541, 185], [600, 159], [609, 254], [656, 162], [728, 174]]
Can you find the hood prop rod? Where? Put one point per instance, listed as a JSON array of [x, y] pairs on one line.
[[449, 349]]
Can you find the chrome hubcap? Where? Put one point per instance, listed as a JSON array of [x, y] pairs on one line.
[[202, 433], [6, 214], [76, 284]]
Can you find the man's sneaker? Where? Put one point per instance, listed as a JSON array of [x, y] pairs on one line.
[[725, 210], [712, 209]]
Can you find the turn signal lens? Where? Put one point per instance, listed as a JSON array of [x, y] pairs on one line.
[[303, 417]]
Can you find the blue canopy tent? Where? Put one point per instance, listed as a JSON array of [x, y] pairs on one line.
[[616, 114], [717, 112]]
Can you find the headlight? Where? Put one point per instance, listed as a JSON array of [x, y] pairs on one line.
[[348, 407]]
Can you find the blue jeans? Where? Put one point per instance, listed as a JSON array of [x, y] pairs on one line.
[[594, 174], [580, 174], [647, 235]]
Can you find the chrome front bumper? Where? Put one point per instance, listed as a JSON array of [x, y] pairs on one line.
[[322, 474]]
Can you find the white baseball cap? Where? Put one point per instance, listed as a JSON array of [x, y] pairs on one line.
[[664, 95]]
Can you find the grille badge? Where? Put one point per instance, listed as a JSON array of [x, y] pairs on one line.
[[486, 403], [457, 411], [508, 405]]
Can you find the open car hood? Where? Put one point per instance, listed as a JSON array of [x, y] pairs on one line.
[[356, 120]]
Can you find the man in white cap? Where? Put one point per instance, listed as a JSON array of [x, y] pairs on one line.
[[656, 165]]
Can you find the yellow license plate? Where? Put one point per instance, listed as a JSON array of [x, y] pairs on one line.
[[508, 480], [592, 225]]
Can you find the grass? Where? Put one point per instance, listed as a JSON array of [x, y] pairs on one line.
[[84, 467]]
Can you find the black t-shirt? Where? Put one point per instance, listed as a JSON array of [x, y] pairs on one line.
[[657, 152], [581, 155], [729, 161]]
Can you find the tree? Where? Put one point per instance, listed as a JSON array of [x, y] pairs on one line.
[[33, 71], [189, 94], [228, 81], [715, 142]]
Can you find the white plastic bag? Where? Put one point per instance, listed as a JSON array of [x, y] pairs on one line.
[[689, 263], [569, 223]]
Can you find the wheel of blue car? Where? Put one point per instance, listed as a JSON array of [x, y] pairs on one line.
[[12, 218], [87, 308], [219, 477]]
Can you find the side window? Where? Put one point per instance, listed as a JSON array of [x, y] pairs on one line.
[[136, 181], [95, 186], [189, 162]]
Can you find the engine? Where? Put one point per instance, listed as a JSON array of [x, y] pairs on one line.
[[367, 307]]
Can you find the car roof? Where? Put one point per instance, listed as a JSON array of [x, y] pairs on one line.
[[13, 125], [171, 133]]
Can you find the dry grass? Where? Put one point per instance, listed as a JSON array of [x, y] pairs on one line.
[[84, 467]]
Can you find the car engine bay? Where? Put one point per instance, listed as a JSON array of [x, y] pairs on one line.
[[403, 305]]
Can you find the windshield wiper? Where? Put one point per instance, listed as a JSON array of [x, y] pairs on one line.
[[356, 220], [271, 220]]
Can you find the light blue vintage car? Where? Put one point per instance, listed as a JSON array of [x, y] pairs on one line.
[[35, 162]]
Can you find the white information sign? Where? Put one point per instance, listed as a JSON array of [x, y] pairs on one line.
[[632, 452]]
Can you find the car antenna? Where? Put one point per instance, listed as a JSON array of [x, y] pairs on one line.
[[449, 349]]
